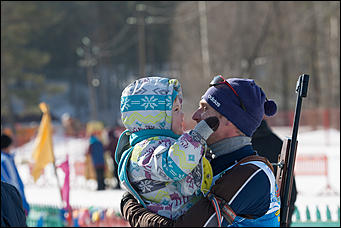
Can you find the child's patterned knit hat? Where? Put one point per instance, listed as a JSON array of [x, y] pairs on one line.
[[147, 103]]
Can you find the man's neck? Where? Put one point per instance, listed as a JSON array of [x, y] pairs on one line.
[[228, 145]]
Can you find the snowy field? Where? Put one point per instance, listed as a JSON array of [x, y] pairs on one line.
[[314, 191], [317, 190]]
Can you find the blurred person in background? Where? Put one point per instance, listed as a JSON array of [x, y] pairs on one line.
[[9, 172], [269, 145], [12, 211], [96, 151], [72, 126], [111, 147]]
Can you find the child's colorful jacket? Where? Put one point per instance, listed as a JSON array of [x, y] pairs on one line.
[[164, 171]]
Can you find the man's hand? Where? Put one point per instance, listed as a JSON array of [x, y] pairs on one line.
[[126, 196], [138, 216]]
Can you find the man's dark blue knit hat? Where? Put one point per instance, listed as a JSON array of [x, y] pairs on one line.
[[222, 98]]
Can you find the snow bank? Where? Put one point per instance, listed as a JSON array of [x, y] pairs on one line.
[[312, 189]]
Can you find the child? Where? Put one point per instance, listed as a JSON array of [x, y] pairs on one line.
[[163, 167]]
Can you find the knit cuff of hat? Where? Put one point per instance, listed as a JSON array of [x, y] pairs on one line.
[[203, 129], [230, 108]]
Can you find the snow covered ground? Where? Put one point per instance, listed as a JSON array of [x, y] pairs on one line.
[[312, 189], [317, 190]]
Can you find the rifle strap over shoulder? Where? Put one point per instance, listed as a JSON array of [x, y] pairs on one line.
[[221, 207], [255, 158]]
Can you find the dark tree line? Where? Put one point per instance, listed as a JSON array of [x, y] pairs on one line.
[[92, 49], [39, 42]]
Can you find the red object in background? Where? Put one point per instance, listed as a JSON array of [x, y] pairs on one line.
[[79, 168], [311, 165], [23, 135], [66, 187]]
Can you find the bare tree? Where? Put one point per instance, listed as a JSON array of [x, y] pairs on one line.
[[272, 42]]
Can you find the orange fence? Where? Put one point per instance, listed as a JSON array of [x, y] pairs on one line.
[[311, 165], [327, 118], [23, 134]]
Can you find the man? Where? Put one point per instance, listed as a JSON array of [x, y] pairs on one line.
[[96, 150], [111, 147], [12, 211], [243, 192], [269, 145], [9, 172]]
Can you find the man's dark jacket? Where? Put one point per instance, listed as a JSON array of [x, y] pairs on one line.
[[269, 145]]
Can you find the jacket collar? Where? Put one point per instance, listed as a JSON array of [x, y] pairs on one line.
[[229, 151], [229, 145]]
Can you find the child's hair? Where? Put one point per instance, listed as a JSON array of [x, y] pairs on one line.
[[147, 103]]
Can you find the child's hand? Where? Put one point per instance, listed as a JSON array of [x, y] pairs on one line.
[[212, 122], [207, 126]]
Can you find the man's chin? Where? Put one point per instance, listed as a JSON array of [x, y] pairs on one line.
[[212, 139]]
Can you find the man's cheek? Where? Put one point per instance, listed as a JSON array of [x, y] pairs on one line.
[[205, 115]]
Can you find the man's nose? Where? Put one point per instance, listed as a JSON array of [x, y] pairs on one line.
[[196, 116]]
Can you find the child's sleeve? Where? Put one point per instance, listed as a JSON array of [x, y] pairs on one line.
[[175, 160]]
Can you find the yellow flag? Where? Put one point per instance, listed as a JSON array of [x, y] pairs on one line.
[[43, 152]]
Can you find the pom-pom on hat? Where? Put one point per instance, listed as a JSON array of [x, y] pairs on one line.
[[270, 107], [230, 100]]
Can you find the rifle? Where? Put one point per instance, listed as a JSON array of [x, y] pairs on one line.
[[287, 157]]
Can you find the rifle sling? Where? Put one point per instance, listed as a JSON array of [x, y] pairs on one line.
[[224, 207]]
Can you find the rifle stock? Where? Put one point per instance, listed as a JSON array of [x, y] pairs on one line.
[[282, 178], [282, 161]]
